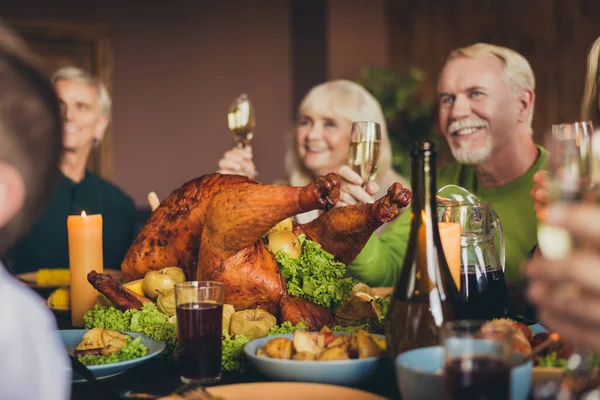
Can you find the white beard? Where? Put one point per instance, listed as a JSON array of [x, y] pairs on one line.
[[464, 154]]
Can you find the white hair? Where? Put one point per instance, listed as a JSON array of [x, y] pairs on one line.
[[347, 100], [78, 75], [517, 70]]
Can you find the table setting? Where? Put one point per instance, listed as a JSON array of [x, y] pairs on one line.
[[222, 297]]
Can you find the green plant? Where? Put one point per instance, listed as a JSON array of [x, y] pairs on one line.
[[409, 118]]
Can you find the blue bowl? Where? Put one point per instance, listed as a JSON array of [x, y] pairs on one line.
[[420, 375], [72, 337], [342, 372]]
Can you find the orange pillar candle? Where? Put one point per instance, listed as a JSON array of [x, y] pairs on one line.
[[450, 236], [85, 255]]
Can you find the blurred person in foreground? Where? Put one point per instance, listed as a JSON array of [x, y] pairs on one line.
[[321, 144], [34, 363], [486, 97], [567, 291], [86, 108], [590, 111]]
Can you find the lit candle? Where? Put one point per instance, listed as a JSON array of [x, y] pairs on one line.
[[450, 237], [85, 255]]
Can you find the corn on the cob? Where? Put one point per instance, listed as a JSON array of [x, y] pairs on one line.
[[60, 299], [53, 277]]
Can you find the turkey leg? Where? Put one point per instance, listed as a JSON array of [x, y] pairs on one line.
[[239, 216], [343, 231]]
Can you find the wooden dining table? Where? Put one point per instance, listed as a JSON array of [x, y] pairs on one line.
[[160, 377]]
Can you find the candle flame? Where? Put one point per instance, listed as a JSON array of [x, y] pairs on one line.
[[83, 214]]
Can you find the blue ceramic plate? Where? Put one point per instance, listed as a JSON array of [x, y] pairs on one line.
[[343, 372], [420, 375], [72, 337]]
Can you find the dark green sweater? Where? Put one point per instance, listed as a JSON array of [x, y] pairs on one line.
[[47, 246]]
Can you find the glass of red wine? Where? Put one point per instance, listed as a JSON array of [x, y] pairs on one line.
[[199, 330], [477, 360]]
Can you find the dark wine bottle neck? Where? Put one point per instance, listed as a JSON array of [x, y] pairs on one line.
[[424, 184]]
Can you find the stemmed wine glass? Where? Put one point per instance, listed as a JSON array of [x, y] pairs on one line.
[[570, 181], [365, 147], [241, 120]]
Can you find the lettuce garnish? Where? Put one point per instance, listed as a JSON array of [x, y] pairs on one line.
[[315, 275]]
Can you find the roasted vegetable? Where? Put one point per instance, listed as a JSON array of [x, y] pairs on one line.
[[324, 346], [228, 312], [284, 241], [332, 354], [166, 302], [252, 323], [309, 342], [279, 348]]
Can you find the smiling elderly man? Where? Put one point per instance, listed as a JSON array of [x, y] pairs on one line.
[[486, 96], [86, 109]]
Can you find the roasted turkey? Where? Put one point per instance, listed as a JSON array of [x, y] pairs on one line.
[[212, 228]]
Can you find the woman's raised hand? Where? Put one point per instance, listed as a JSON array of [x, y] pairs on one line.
[[238, 161], [352, 191]]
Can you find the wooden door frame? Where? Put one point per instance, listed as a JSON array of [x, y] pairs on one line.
[[98, 37]]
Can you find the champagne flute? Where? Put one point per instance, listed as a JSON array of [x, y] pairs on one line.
[[365, 147], [570, 181], [241, 120]]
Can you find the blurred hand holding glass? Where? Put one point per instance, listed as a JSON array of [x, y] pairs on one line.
[[477, 362], [199, 330], [570, 181], [365, 147], [241, 120]]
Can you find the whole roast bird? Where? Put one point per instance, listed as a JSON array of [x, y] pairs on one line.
[[212, 228]]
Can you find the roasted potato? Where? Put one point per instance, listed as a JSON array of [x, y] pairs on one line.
[[334, 353], [309, 342], [279, 348], [304, 356], [367, 347]]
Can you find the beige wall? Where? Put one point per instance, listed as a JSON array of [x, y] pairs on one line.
[[176, 70], [179, 64], [357, 36]]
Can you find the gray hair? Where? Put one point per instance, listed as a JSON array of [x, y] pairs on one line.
[[78, 75], [517, 70]]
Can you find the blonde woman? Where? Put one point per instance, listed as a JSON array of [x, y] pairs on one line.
[[321, 144]]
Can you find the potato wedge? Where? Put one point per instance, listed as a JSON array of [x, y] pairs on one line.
[[261, 352], [304, 356], [279, 348], [309, 342], [367, 347], [332, 354]]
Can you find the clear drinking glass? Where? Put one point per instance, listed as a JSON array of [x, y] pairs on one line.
[[241, 120], [199, 330], [365, 148], [570, 181], [570, 161], [477, 362]]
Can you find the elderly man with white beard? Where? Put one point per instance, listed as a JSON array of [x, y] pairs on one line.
[[486, 96]]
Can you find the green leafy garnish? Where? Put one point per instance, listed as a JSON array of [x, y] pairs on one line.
[[149, 321], [315, 275], [285, 328], [132, 350], [233, 352]]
